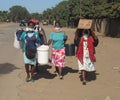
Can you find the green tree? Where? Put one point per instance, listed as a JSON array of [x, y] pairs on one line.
[[58, 13], [18, 13], [3, 16], [100, 9], [36, 16]]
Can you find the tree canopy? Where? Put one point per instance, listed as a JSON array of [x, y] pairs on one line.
[[68, 12], [3, 16], [71, 10], [18, 13]]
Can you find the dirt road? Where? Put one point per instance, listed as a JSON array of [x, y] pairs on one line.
[[103, 85]]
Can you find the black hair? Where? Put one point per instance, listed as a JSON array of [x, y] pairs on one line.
[[30, 23], [86, 31], [79, 32], [57, 22]]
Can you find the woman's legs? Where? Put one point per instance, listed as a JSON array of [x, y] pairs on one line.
[[56, 69], [27, 71], [60, 72], [84, 77], [32, 71]]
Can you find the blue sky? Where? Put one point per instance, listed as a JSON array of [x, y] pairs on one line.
[[31, 5]]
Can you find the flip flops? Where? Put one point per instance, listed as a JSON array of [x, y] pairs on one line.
[[32, 80], [84, 82], [61, 77], [27, 79]]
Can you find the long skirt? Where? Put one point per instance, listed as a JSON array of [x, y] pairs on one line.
[[87, 65], [58, 57]]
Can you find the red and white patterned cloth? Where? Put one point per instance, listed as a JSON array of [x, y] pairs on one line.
[[58, 57]]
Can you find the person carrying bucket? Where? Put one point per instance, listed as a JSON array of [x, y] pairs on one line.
[[42, 36], [58, 38]]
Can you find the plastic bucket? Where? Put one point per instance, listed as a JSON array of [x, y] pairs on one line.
[[42, 52], [69, 49]]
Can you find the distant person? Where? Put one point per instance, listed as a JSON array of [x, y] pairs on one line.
[[85, 52], [58, 38], [42, 36], [31, 41]]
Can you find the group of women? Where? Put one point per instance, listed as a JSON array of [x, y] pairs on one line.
[[85, 40]]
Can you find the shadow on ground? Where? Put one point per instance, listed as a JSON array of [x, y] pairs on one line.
[[67, 70], [90, 76], [43, 72], [6, 68]]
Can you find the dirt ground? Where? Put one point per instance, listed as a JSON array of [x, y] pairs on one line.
[[102, 85]]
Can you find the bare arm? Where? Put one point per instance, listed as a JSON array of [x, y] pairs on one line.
[[96, 40], [66, 37], [76, 35], [49, 42]]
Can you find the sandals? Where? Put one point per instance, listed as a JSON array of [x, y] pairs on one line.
[[84, 82], [32, 80], [27, 79], [56, 73], [61, 77]]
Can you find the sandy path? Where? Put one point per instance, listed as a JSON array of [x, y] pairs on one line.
[[104, 86]]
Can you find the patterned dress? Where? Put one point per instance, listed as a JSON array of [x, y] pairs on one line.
[[87, 65]]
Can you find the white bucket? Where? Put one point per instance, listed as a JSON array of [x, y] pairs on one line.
[[42, 52]]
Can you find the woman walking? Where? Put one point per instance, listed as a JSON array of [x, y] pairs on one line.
[[58, 38], [85, 53], [31, 38]]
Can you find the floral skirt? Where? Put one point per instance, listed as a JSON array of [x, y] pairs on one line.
[[58, 57], [87, 65]]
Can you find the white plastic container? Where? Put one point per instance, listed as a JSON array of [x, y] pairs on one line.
[[42, 52], [17, 44]]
